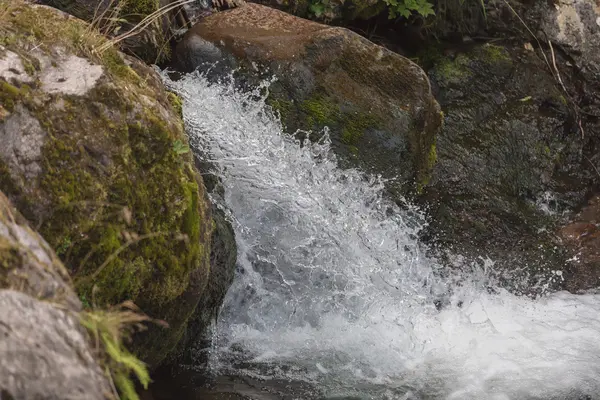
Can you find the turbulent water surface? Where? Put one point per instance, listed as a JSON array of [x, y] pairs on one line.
[[334, 289]]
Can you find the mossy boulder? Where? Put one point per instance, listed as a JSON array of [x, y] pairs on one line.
[[46, 352], [377, 104], [223, 256], [515, 155], [94, 155]]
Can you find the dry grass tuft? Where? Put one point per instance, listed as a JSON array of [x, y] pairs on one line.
[[109, 330]]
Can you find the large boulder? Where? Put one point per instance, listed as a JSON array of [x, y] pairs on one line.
[[563, 27], [94, 155], [46, 353], [515, 156], [377, 104]]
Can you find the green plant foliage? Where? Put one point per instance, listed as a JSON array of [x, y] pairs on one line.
[[317, 8], [324, 9], [108, 329], [180, 148], [404, 8]]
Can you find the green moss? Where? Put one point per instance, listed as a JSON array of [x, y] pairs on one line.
[[139, 8], [493, 54], [9, 257], [321, 111], [454, 70], [114, 63], [176, 103], [354, 127], [64, 246], [432, 156], [429, 56], [283, 107], [29, 67], [425, 175], [8, 95]]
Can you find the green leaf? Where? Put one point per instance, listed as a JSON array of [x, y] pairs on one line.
[[317, 9], [180, 148], [405, 8]]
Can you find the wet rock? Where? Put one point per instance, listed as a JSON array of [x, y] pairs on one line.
[[514, 156], [377, 104], [46, 353], [582, 236], [94, 155]]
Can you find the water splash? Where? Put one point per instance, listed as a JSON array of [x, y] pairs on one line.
[[334, 288]]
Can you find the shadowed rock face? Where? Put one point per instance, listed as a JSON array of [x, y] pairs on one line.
[[45, 351], [582, 236], [515, 156], [377, 104]]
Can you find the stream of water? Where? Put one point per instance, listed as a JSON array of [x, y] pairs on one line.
[[334, 289]]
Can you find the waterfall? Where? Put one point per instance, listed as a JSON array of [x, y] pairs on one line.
[[333, 287]]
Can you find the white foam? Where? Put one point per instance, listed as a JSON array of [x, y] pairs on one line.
[[334, 282]]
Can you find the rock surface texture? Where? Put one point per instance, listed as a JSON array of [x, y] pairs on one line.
[[45, 352], [582, 236], [377, 104], [94, 155], [518, 152]]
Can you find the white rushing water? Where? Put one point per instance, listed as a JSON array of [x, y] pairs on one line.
[[334, 288]]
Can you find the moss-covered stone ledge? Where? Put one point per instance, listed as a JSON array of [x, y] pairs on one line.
[[94, 155]]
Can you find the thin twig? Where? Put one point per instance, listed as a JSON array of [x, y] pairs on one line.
[[592, 164], [554, 71], [555, 67], [119, 251]]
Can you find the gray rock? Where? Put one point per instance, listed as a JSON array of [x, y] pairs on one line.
[[45, 354], [574, 26], [87, 154], [22, 139], [44, 351]]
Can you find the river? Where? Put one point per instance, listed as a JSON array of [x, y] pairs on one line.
[[335, 295]]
